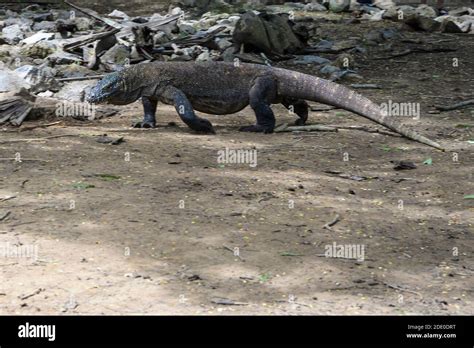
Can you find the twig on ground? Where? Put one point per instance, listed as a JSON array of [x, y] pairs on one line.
[[456, 106], [23, 129], [4, 216], [417, 50], [402, 289], [332, 222], [7, 198], [309, 128], [38, 139], [89, 13], [81, 78], [40, 290]]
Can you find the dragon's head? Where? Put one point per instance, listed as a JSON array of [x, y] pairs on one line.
[[111, 89]]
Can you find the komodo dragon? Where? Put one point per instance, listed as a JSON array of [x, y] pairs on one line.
[[225, 88]]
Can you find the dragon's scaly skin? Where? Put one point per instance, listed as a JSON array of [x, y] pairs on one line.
[[225, 88]]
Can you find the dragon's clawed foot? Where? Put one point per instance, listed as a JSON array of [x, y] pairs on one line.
[[144, 124]]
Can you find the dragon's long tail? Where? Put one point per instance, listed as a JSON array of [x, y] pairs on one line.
[[297, 85]]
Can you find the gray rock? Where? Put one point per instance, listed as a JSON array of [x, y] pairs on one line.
[[10, 81], [23, 22], [7, 52], [426, 11], [269, 33], [75, 91], [40, 49], [37, 37], [40, 17], [203, 57], [314, 7], [374, 37], [186, 28], [295, 5], [309, 59], [40, 78], [119, 54], [12, 34], [233, 19], [389, 34], [328, 69], [175, 11], [223, 44], [324, 45], [450, 26], [376, 16], [339, 5], [63, 58], [82, 23], [72, 70], [46, 94], [229, 54], [461, 11], [418, 22], [45, 26], [160, 38], [399, 13], [384, 4], [118, 14], [180, 58]]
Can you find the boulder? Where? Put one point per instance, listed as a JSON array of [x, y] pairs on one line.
[[328, 69], [203, 57], [37, 37], [40, 78], [119, 54], [450, 26], [399, 13], [75, 91], [10, 81], [267, 33], [40, 17], [186, 28], [418, 22], [223, 44], [13, 34], [314, 7], [426, 11], [461, 11], [45, 26], [384, 4], [118, 14], [63, 58], [339, 5], [40, 49]]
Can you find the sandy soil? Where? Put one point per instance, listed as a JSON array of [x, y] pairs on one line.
[[150, 225]]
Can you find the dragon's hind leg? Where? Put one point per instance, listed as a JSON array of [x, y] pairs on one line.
[[299, 107], [261, 95]]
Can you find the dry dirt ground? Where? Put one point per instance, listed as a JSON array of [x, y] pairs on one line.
[[150, 225]]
